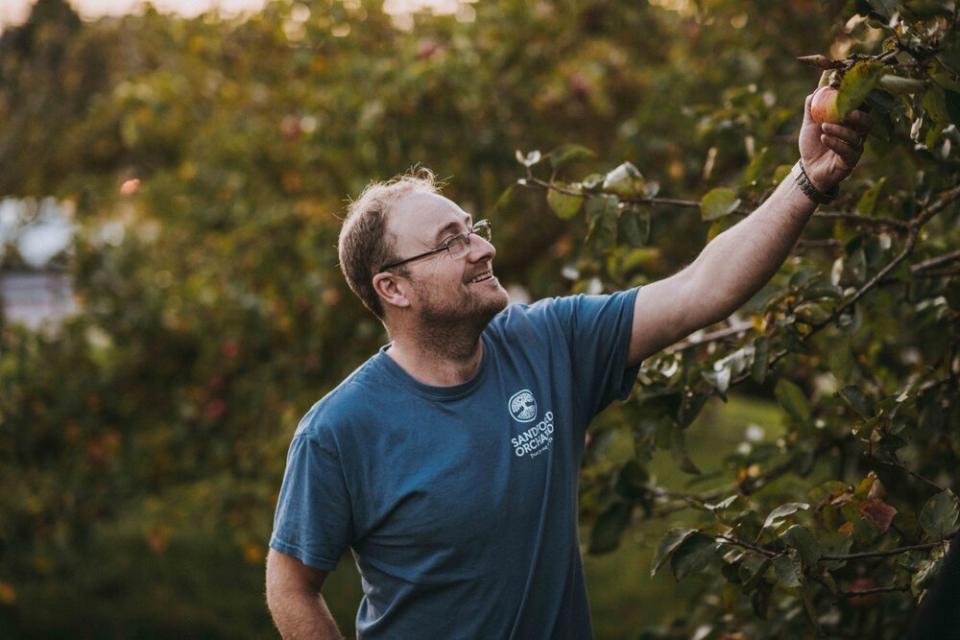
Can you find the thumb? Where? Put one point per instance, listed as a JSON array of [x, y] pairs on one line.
[[807, 118]]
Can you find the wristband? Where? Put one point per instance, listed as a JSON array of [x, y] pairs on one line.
[[803, 181]]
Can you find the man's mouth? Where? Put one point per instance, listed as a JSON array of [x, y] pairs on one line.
[[486, 275]]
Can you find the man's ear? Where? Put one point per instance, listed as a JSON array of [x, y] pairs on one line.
[[392, 289]]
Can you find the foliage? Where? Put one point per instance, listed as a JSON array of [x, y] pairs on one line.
[[857, 339], [213, 313]]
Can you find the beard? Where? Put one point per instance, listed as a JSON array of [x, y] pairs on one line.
[[452, 326]]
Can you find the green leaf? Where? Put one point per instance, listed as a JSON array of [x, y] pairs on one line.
[[678, 449], [569, 153], [834, 544], [778, 515], [761, 352], [602, 214], [760, 599], [692, 555], [857, 83], [935, 102], [813, 312], [592, 182], [690, 408], [823, 290], [632, 481], [939, 515], [635, 226], [752, 570], [788, 568], [885, 8], [925, 574], [757, 167], [718, 202], [801, 539], [564, 205], [669, 544], [625, 181], [793, 401], [868, 201], [606, 532], [859, 402], [718, 378]]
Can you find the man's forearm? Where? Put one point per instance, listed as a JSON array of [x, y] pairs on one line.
[[739, 261], [300, 615]]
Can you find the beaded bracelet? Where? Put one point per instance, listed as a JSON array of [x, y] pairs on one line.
[[803, 181]]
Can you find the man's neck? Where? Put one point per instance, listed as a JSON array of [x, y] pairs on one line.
[[438, 361]]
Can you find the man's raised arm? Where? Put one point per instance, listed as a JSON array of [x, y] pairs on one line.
[[739, 261], [294, 600]]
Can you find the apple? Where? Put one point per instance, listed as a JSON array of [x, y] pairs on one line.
[[823, 107]]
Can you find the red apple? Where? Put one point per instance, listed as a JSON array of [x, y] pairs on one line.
[[823, 107]]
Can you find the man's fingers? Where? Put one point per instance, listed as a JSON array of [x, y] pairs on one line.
[[860, 121], [848, 155], [848, 135]]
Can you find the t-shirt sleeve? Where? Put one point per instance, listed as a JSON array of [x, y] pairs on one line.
[[312, 521], [598, 330]]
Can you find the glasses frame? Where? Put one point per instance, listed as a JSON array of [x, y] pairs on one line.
[[480, 228]]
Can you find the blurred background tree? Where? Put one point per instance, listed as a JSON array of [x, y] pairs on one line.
[[204, 163]]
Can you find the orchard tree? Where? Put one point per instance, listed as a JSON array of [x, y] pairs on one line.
[[207, 160], [839, 527]]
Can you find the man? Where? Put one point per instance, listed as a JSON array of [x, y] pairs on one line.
[[448, 462]]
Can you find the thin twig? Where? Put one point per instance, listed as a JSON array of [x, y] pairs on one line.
[[899, 465], [816, 244], [916, 225], [898, 225], [675, 202], [867, 592], [719, 334], [936, 262], [889, 552], [747, 545]]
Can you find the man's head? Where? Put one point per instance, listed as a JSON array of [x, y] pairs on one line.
[[404, 218]]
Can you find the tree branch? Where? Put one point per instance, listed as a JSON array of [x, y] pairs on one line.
[[890, 552], [747, 545], [867, 592], [719, 334], [916, 224], [898, 225], [936, 262]]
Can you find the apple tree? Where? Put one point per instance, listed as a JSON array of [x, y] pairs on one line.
[[840, 526]]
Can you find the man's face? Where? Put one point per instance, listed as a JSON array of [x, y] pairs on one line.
[[445, 290]]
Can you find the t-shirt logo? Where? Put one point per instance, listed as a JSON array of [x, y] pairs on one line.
[[523, 406]]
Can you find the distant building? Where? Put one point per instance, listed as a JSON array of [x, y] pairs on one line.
[[36, 299], [32, 234]]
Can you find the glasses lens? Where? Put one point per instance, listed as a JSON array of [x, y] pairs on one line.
[[457, 247]]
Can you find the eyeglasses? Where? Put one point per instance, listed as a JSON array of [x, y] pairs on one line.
[[456, 246]]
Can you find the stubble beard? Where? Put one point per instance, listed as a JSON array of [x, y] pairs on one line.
[[453, 329]]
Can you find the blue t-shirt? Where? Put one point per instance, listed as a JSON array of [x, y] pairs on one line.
[[460, 503]]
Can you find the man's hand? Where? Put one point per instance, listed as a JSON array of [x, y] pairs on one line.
[[831, 151]]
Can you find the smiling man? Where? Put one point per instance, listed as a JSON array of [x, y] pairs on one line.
[[447, 463]]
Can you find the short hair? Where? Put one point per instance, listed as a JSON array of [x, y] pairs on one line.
[[363, 245]]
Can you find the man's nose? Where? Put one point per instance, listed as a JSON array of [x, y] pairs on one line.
[[481, 249]]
